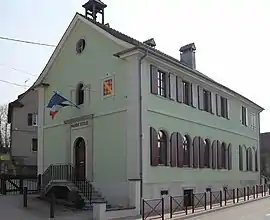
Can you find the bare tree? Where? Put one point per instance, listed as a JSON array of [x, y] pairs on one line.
[[4, 129]]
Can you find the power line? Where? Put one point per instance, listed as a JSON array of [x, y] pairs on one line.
[[26, 42], [18, 70], [15, 84]]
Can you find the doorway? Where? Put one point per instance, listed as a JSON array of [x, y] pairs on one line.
[[79, 158], [188, 196]]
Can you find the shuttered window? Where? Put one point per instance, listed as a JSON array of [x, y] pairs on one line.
[[244, 116], [173, 149], [223, 156], [224, 107], [153, 147]]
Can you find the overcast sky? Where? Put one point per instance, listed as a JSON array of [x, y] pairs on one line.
[[232, 38]]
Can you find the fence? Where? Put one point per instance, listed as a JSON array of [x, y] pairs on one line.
[[155, 208], [13, 184]]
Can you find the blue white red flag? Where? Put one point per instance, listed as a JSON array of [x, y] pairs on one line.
[[58, 101]]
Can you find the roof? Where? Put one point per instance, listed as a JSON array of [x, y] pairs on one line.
[[140, 45]]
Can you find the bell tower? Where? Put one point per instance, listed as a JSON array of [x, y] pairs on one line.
[[93, 8]]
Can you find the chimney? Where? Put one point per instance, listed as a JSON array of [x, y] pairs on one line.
[[187, 55]]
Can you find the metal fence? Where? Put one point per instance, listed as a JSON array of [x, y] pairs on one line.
[[178, 205]]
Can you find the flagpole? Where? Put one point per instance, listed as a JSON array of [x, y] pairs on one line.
[[57, 92]]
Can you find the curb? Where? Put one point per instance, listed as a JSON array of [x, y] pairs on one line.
[[219, 208]]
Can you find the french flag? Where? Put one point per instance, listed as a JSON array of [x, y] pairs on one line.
[[57, 102]]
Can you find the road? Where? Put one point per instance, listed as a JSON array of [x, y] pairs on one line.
[[259, 210]]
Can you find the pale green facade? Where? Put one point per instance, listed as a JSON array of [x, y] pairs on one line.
[[112, 136]]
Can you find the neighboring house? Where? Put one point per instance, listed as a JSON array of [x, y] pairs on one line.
[[143, 116], [22, 116], [265, 154]]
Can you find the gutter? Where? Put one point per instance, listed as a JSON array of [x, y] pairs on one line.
[[140, 119]]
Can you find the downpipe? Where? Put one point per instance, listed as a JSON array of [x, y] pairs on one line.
[[140, 120]]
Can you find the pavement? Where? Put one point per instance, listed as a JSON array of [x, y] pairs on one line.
[[11, 207], [257, 210]]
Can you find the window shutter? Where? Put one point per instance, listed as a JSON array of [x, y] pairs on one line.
[[227, 108], [154, 79], [167, 85], [214, 154], [213, 103], [194, 95], [240, 158], [172, 86], [256, 160], [179, 89], [229, 157], [210, 102], [190, 148], [153, 147], [180, 150], [218, 105], [196, 143], [173, 149], [247, 117], [200, 97], [219, 155], [73, 95], [201, 150], [190, 94], [87, 94], [210, 155]]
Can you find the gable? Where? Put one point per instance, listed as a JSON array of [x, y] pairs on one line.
[[71, 28]]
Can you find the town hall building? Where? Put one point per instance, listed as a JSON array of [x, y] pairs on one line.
[[140, 120]]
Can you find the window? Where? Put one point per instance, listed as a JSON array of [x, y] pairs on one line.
[[80, 94], [244, 116], [29, 119], [187, 93], [207, 101], [32, 119], [34, 144], [162, 148], [224, 107], [161, 83], [253, 121]]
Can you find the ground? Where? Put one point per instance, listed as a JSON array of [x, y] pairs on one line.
[[257, 210], [11, 207]]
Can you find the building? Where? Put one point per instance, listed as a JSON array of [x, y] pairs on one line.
[[265, 154], [143, 116], [22, 116]]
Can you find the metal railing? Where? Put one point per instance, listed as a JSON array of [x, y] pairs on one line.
[[66, 172]]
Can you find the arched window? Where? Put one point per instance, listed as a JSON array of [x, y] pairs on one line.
[[207, 144], [240, 158], [80, 94], [162, 148], [186, 148], [223, 156]]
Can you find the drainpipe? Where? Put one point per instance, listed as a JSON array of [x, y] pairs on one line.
[[140, 119]]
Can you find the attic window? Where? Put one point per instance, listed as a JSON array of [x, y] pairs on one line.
[[80, 46]]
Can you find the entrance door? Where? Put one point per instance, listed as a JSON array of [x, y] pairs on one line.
[[188, 197], [80, 159]]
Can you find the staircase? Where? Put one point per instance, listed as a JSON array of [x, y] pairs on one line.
[[64, 175]]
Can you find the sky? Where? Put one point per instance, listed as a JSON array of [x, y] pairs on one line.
[[231, 37]]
